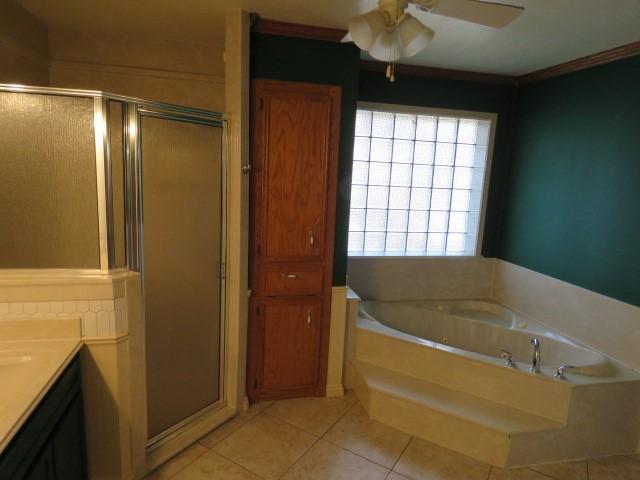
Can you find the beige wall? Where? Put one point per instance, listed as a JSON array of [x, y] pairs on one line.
[[24, 48], [168, 70]]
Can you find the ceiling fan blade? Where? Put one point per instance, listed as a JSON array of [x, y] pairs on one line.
[[346, 39], [495, 15]]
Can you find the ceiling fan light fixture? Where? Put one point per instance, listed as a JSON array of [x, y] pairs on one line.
[[365, 29], [386, 46], [414, 35]]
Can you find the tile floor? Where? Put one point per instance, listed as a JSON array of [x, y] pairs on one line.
[[333, 439]]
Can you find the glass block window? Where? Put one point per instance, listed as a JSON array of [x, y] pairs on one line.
[[417, 183]]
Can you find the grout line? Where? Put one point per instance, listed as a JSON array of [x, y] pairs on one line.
[[314, 443], [174, 457], [402, 453], [490, 470]]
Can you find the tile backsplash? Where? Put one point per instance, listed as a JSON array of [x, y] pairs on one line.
[[100, 318]]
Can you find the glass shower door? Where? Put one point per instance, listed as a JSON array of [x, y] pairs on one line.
[[182, 210]]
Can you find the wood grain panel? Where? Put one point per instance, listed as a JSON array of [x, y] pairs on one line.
[[291, 346], [293, 279], [295, 175]]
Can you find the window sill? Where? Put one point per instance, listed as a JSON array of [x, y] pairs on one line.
[[412, 255]]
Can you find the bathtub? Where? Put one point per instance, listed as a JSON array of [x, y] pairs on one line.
[[482, 330]]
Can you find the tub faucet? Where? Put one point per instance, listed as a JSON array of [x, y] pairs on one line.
[[535, 361]]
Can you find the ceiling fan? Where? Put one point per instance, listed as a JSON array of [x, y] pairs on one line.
[[389, 32]]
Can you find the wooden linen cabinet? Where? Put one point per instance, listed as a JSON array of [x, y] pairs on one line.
[[294, 156]]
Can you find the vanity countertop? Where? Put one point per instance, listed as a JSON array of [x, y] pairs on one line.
[[33, 354]]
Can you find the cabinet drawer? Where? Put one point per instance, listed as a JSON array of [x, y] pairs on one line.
[[293, 279]]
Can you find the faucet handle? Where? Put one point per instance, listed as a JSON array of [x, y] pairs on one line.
[[507, 356], [561, 371]]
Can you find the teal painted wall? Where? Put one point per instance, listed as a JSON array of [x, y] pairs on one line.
[[572, 210], [459, 95], [313, 61]]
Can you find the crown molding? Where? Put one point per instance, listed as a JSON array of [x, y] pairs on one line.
[[274, 27], [600, 58], [431, 72]]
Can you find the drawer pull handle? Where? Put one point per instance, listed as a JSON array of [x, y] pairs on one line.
[[293, 276], [308, 318]]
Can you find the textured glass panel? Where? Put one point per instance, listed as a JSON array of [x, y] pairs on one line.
[[182, 194], [420, 198], [436, 241], [442, 177], [447, 129], [396, 242], [460, 200], [424, 152], [416, 242], [458, 222], [378, 197], [440, 199], [358, 196], [462, 177], [418, 221], [360, 173], [356, 241], [48, 199], [445, 153], [484, 128], [361, 149], [421, 176], [381, 149], [382, 125], [403, 151], [116, 142], [405, 126], [477, 178], [374, 242], [426, 128], [376, 220], [379, 173], [455, 242], [356, 219], [363, 123], [465, 155], [401, 175], [438, 221], [480, 157], [399, 197], [397, 221], [467, 130]]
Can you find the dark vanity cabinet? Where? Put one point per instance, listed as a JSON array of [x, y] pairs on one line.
[[51, 444]]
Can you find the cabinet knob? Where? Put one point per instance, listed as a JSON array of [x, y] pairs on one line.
[[312, 239], [308, 318]]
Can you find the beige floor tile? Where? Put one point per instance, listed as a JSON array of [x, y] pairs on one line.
[[266, 446], [177, 463], [373, 440], [328, 462], [564, 471], [614, 468], [314, 414], [515, 474], [396, 476], [212, 466], [426, 461], [223, 431]]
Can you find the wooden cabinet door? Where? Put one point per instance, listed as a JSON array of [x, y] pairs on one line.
[[294, 126], [291, 343]]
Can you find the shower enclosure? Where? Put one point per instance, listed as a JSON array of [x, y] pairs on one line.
[[100, 183]]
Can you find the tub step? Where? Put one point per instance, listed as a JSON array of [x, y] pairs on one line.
[[471, 425]]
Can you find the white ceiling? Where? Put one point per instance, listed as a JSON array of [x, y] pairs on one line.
[[547, 33]]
